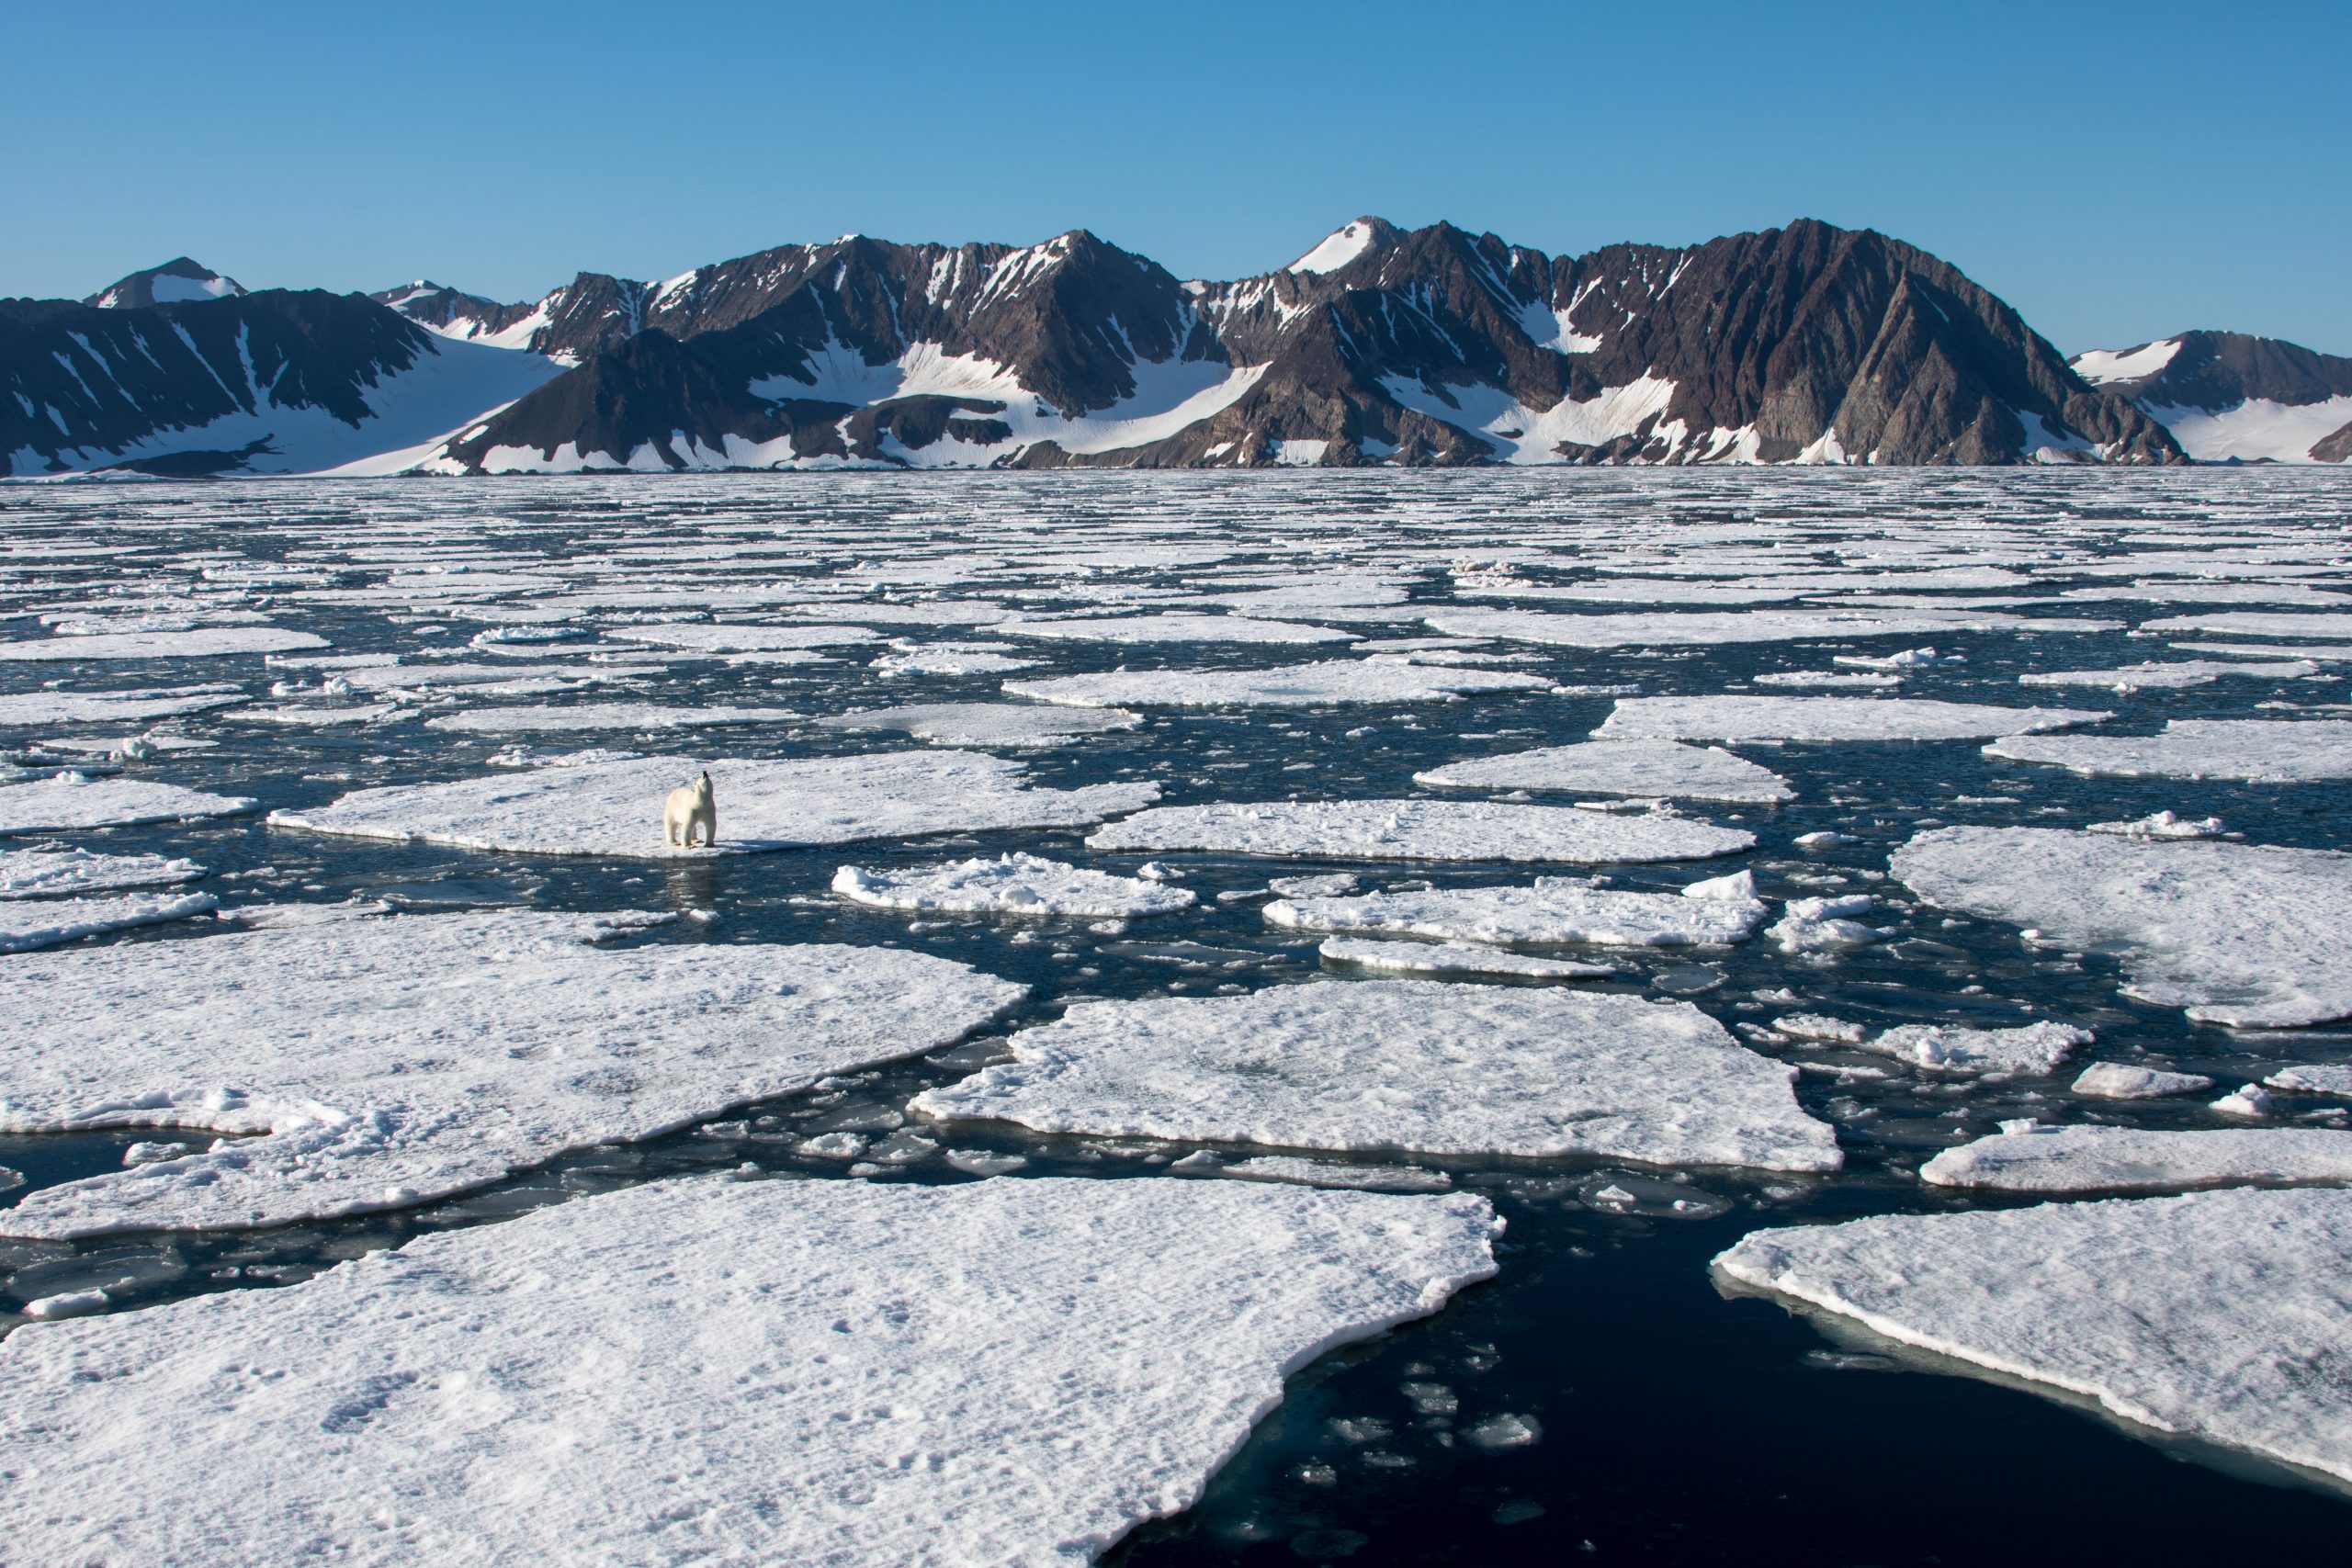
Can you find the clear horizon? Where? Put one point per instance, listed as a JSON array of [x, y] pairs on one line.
[[2119, 173]]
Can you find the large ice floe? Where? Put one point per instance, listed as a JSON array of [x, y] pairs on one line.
[[718, 636], [45, 870], [525, 721], [1296, 686], [113, 707], [1468, 958], [1662, 768], [614, 806], [201, 642], [1405, 1065], [987, 724], [2219, 1316], [829, 1374], [1826, 718], [49, 922], [2093, 1158], [1556, 910], [1421, 829], [2241, 934], [2256, 749], [2171, 675], [1011, 884], [1712, 628], [1173, 626], [71, 800], [371, 1063]]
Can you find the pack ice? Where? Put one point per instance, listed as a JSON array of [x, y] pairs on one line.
[[1826, 719], [2256, 749], [1298, 685], [1661, 768], [1013, 884], [2093, 1158], [1556, 910], [2219, 1316], [373, 1063], [986, 724], [828, 1373], [1405, 1065], [202, 642], [1421, 829], [73, 800], [2243, 934], [614, 806]]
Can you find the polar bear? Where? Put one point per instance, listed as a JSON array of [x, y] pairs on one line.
[[687, 808]]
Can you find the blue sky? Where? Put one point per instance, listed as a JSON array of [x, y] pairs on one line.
[[2118, 172]]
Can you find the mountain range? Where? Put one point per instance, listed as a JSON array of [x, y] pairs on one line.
[[1808, 344]]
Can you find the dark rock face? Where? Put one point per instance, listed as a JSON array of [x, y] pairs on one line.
[[2335, 449], [177, 281], [467, 317], [2216, 370]]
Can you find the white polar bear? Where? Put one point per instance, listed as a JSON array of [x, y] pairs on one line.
[[688, 808]]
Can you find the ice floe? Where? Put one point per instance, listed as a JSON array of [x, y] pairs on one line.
[[946, 658], [2031, 1049], [1296, 686], [604, 715], [1712, 628], [1650, 768], [817, 1374], [2219, 1316], [1820, 925], [1173, 626], [2335, 1079], [49, 922], [2256, 749], [2120, 1080], [202, 642], [1826, 719], [720, 637], [1010, 724], [1315, 1173], [1455, 958], [2243, 934], [46, 871], [71, 800], [614, 806], [1405, 1065], [1554, 909], [2162, 825], [384, 1062], [1013, 884], [2096, 1158], [1421, 829], [2167, 676], [112, 707]]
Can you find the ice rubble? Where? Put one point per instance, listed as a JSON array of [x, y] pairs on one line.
[[1173, 626], [2167, 676], [71, 800], [2120, 1080], [47, 870], [2258, 750], [820, 1373], [2241, 934], [49, 922], [391, 1061], [201, 642], [614, 806], [1421, 829], [1455, 958], [2095, 1158], [1660, 768], [1405, 1065], [2162, 825], [1826, 719], [1013, 884], [526, 720], [987, 724], [2219, 1316], [1296, 686], [1823, 925], [1556, 910]]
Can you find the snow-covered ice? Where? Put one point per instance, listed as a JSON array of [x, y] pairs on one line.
[[1296, 686], [1405, 1065], [201, 642], [45, 870], [1421, 829], [2256, 750], [1554, 909], [1173, 626], [827, 1374], [1455, 958], [1012, 884], [2122, 1080], [2171, 675], [1712, 628], [525, 720], [2031, 1049], [1011, 724], [1654, 768], [614, 806], [2162, 825], [1826, 718], [112, 707], [385, 1062], [2220, 1315], [2241, 934], [2093, 1158], [721, 637], [49, 922], [1824, 925], [1315, 1173], [2317, 1079], [71, 800]]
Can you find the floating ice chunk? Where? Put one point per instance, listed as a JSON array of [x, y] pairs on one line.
[[1909, 659], [1009, 725], [1297, 685], [1826, 719], [829, 1372], [47, 870], [1408, 1064], [202, 642], [111, 708], [2334, 1080], [391, 1061], [947, 660], [1739, 885], [2132, 1159], [1011, 884], [716, 636], [985, 1162], [1830, 679], [1817, 925], [1506, 1431], [2119, 1080], [1823, 839], [2164, 825], [1651, 768], [603, 715], [1455, 958], [1814, 1026], [1173, 626], [67, 1303], [2256, 623], [1556, 910], [2036, 1048], [2163, 676], [1421, 829], [2256, 750], [70, 800], [1712, 628], [615, 807], [49, 922], [1329, 885], [2240, 934], [2218, 1315], [319, 715], [2248, 1099], [123, 748], [153, 1153], [1318, 1173]]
